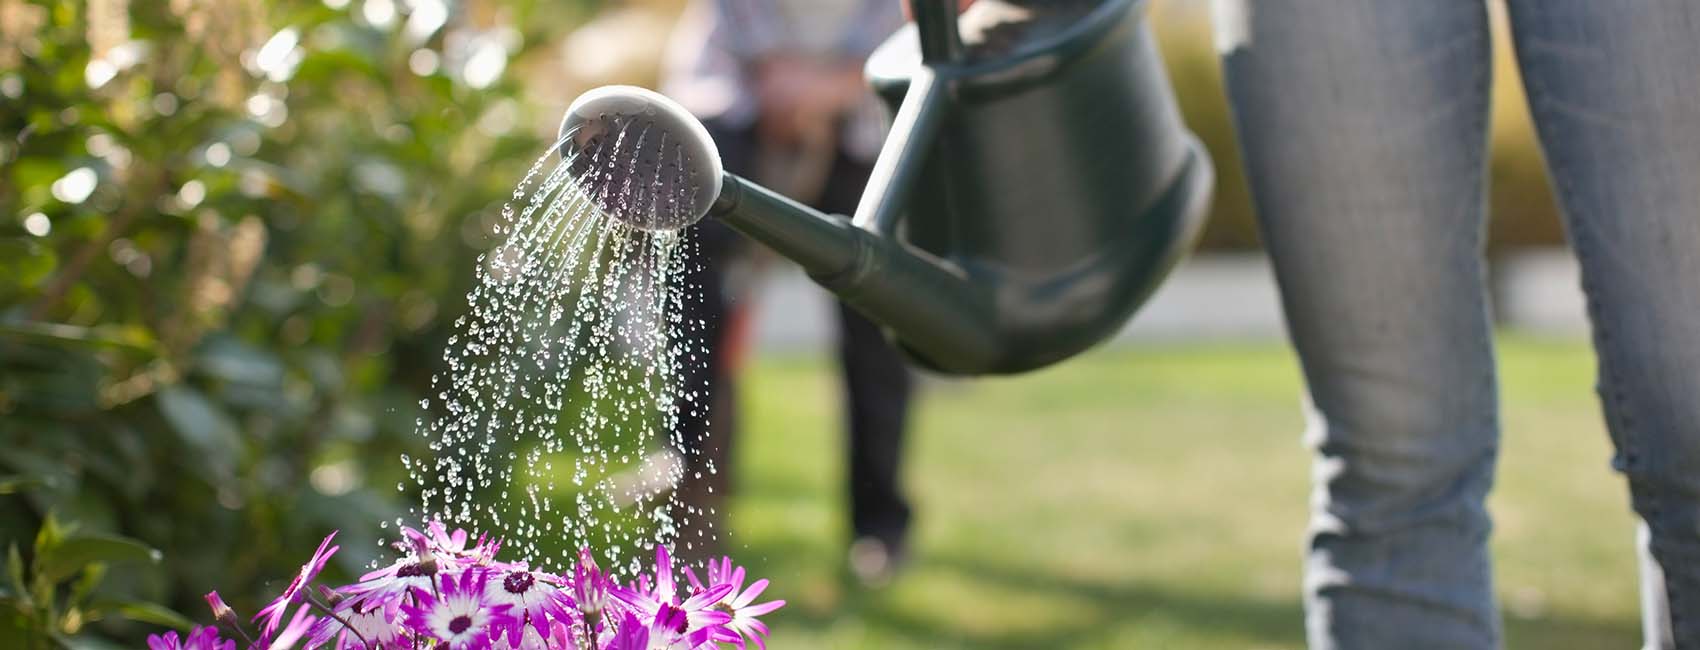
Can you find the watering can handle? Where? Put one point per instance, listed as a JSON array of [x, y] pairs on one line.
[[916, 124], [941, 43]]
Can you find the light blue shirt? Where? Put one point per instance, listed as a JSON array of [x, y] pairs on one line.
[[718, 41]]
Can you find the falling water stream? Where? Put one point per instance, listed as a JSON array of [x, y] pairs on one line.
[[554, 422]]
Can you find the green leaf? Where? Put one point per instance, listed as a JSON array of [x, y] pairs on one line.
[[132, 339], [232, 360], [16, 484], [25, 263], [202, 424], [19, 630], [75, 553], [15, 572], [141, 612], [85, 585], [47, 537], [85, 642], [32, 171]]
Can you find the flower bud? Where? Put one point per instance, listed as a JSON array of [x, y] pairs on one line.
[[220, 611], [332, 597], [590, 586]]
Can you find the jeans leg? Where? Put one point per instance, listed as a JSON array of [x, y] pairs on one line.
[[1363, 128], [1655, 609], [1615, 91]]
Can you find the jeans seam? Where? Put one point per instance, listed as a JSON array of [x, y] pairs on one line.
[[1481, 129], [1480, 118]]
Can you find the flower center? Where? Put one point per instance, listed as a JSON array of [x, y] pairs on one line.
[[459, 624], [518, 582]]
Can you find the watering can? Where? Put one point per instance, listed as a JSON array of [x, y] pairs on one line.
[[1036, 186]]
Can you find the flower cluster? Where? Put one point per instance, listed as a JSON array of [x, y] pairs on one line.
[[449, 592]]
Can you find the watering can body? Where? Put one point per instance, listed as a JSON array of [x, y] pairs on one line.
[[1062, 181]]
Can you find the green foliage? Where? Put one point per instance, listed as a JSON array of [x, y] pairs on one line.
[[233, 236], [48, 602]]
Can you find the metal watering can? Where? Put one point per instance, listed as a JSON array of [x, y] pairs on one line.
[[1036, 187]]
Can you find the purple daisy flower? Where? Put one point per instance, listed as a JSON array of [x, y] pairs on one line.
[[460, 617], [650, 603], [291, 633], [291, 595], [452, 594], [359, 627], [200, 638], [692, 616], [387, 586], [534, 598], [445, 541], [744, 626], [671, 629], [559, 637], [449, 546], [631, 634]]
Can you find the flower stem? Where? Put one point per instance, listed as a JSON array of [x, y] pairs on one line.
[[587, 641], [364, 642], [415, 601], [243, 633]]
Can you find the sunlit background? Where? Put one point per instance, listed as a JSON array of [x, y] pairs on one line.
[[234, 236]]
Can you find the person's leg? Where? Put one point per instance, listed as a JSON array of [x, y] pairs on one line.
[[1655, 608], [704, 426], [706, 417], [1615, 91], [877, 390], [1363, 126]]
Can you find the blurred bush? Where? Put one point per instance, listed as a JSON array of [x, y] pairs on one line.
[[232, 236]]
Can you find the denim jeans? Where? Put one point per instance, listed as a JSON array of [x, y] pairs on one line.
[[1364, 128]]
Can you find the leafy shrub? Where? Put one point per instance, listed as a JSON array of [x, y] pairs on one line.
[[235, 234]]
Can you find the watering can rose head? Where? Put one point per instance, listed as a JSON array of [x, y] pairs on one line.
[[640, 157], [448, 591]]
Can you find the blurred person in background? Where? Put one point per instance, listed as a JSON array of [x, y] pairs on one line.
[[779, 85], [1364, 129]]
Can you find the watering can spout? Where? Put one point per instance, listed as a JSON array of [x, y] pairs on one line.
[[935, 312], [1029, 198]]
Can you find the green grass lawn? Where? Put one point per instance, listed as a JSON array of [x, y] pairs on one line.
[[1149, 498]]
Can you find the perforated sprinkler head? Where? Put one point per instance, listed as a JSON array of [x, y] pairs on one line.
[[640, 157]]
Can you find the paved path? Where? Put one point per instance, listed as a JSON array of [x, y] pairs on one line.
[[1213, 297]]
